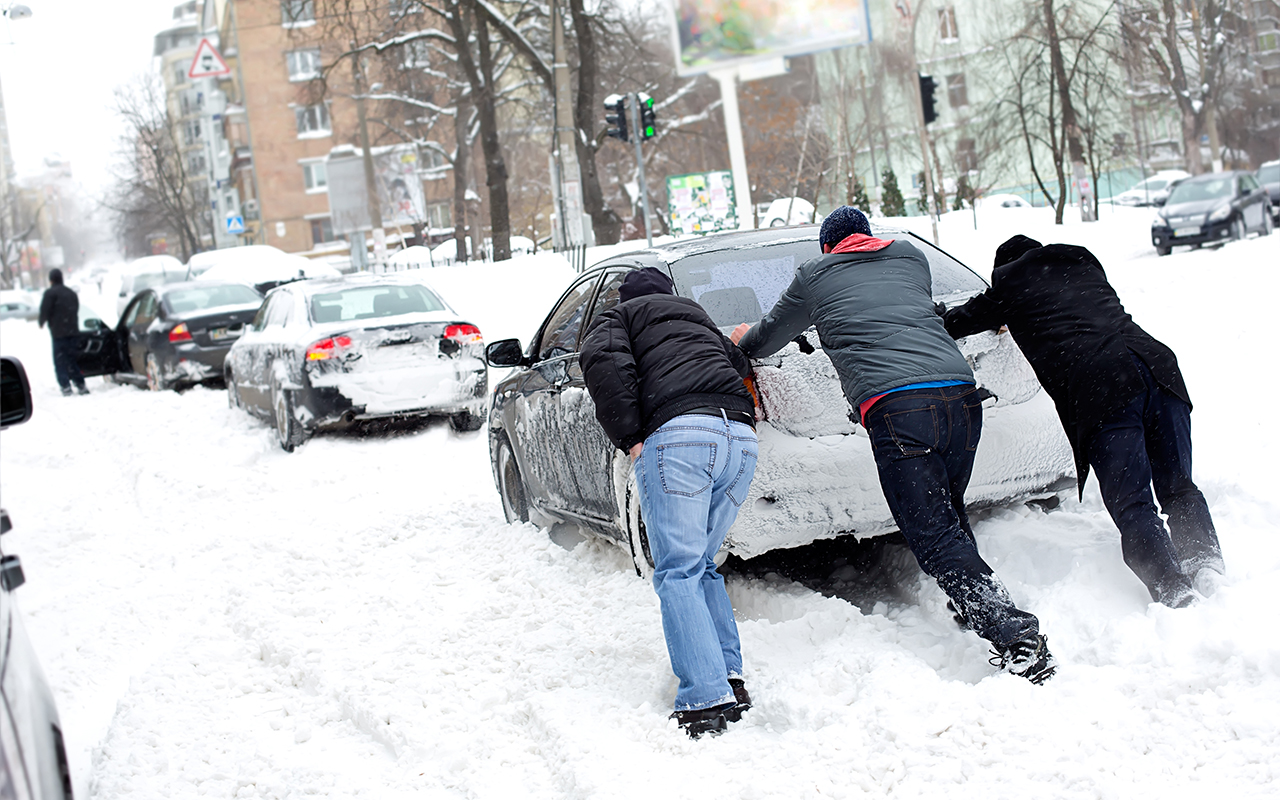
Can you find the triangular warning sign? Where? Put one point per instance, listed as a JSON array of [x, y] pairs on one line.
[[207, 63]]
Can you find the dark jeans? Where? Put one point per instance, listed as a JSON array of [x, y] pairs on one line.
[[924, 441], [1146, 445], [65, 367]]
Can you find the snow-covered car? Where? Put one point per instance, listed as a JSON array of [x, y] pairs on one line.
[[328, 353], [33, 758], [816, 477], [147, 272], [1002, 201], [261, 266], [1215, 207], [787, 211], [1153, 191], [19, 305], [170, 336]]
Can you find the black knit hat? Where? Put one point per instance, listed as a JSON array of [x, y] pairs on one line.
[[649, 280], [843, 223], [55, 277], [1015, 248]]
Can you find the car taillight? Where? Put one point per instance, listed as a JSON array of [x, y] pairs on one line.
[[180, 333], [462, 334], [328, 348]]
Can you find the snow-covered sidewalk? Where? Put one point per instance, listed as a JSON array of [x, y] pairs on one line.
[[220, 618]]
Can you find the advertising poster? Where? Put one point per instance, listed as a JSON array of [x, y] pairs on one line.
[[701, 202], [712, 34]]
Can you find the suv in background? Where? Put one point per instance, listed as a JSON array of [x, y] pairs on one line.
[[33, 758], [1269, 177]]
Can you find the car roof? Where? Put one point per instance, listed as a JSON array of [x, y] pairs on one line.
[[312, 286]]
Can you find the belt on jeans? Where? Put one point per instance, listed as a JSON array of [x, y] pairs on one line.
[[733, 416]]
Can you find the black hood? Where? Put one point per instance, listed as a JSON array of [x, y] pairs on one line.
[[649, 280], [1014, 248]]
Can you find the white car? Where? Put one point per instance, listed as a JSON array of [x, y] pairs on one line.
[[1153, 191], [147, 272], [787, 211], [1002, 201], [260, 266]]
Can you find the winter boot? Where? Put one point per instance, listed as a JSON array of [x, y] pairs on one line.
[[959, 617], [1028, 658], [703, 720], [743, 703]]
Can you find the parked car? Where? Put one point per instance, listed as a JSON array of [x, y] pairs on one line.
[[261, 266], [787, 211], [1269, 177], [33, 758], [329, 353], [1153, 191], [147, 272], [16, 304], [816, 476], [1002, 201], [170, 336], [1212, 208]]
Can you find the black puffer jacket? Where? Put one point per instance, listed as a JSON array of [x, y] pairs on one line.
[[60, 309], [1071, 326], [654, 358]]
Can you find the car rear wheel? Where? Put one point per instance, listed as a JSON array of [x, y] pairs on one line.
[[641, 556], [155, 379], [288, 432], [465, 421], [510, 486]]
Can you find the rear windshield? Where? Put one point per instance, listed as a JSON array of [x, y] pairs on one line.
[[372, 302], [182, 301], [741, 285]]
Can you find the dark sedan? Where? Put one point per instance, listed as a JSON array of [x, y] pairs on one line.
[[1217, 207], [1269, 177], [816, 476], [171, 336], [327, 353]]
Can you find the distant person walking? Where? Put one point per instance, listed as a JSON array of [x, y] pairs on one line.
[[60, 309], [872, 303], [668, 389], [1121, 399]]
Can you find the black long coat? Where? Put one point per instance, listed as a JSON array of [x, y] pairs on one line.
[[656, 357], [1071, 326]]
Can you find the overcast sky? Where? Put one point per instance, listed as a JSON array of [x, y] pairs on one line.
[[59, 68]]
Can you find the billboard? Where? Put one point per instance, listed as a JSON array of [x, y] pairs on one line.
[[701, 202], [716, 34], [400, 196]]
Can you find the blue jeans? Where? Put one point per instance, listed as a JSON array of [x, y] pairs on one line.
[[1149, 444], [924, 441], [693, 473], [65, 367]]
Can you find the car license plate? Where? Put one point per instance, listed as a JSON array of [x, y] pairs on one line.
[[1194, 230], [224, 333]]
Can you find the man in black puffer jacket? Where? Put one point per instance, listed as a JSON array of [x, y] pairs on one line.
[[871, 301], [60, 309], [668, 388], [1121, 399]]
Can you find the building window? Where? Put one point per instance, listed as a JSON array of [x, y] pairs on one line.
[[313, 120], [439, 215], [297, 13], [947, 30], [315, 176], [322, 231], [196, 164], [303, 64], [180, 68], [1268, 41], [966, 155], [957, 95], [191, 131]]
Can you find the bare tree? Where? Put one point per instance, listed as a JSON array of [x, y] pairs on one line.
[[18, 220], [153, 188]]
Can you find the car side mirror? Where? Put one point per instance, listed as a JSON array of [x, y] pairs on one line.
[[1159, 201], [15, 393], [94, 324], [505, 353]]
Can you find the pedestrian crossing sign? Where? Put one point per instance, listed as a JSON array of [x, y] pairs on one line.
[[235, 223]]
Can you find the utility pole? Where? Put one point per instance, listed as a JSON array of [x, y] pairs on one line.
[[370, 177], [634, 101], [570, 206]]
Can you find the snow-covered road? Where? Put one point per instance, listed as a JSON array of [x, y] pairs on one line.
[[220, 618]]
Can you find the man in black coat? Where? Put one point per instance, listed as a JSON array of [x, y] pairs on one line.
[[60, 309], [1121, 399], [668, 388], [871, 300]]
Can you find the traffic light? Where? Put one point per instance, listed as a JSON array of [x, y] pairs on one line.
[[927, 87], [615, 106], [648, 123]]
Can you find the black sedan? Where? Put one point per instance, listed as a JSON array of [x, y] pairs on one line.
[[330, 352], [1217, 207], [170, 336], [816, 476]]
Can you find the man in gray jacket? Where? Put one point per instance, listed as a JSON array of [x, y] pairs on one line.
[[871, 301]]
